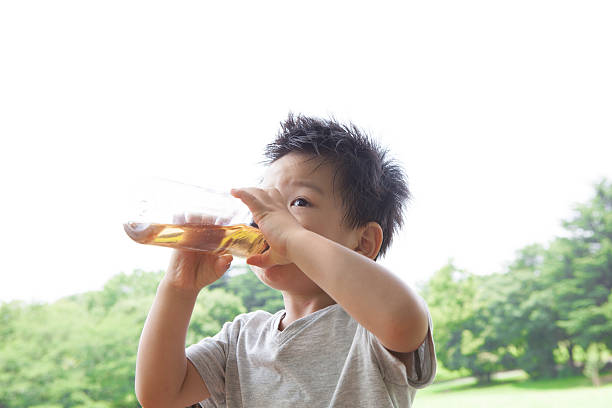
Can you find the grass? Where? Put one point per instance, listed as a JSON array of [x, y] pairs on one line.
[[515, 390]]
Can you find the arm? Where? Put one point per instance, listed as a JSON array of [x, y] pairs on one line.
[[371, 294], [164, 376]]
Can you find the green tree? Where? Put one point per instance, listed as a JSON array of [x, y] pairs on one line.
[[81, 350], [531, 312], [213, 308], [254, 294], [549, 300], [42, 361], [464, 339], [589, 316]]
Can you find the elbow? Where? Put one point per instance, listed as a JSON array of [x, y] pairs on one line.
[[150, 399], [145, 399], [148, 402], [406, 332], [142, 394]]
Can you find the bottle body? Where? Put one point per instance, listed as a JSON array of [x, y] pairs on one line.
[[184, 216], [240, 240]]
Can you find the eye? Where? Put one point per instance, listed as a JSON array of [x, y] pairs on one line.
[[300, 202]]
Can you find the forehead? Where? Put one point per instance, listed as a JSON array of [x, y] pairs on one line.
[[296, 167]]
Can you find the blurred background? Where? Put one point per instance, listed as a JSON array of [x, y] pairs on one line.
[[498, 111]]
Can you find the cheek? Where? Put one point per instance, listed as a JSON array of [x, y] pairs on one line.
[[328, 229], [315, 225], [324, 222], [308, 221]]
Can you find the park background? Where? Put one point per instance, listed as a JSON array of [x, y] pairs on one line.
[[499, 112]]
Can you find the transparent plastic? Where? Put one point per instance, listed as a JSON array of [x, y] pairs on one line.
[[184, 216]]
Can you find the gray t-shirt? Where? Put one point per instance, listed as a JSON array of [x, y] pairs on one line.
[[325, 359]]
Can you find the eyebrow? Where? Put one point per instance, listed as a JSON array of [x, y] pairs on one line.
[[309, 185]]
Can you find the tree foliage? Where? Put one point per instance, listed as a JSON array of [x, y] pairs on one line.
[[253, 293], [551, 302], [81, 351]]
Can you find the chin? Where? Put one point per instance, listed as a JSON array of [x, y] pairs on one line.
[[279, 277]]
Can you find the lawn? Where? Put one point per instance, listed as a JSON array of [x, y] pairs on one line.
[[515, 392]]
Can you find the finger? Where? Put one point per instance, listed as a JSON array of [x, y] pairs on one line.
[[267, 259], [247, 196], [259, 260], [222, 220], [223, 263], [192, 218], [178, 219], [197, 218]]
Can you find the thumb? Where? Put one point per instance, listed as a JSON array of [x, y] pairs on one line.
[[260, 260], [267, 259]]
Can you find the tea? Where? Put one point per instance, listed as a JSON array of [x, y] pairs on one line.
[[240, 240]]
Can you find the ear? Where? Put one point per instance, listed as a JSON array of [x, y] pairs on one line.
[[370, 240]]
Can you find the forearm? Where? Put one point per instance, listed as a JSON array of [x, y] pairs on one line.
[[161, 364], [370, 293]]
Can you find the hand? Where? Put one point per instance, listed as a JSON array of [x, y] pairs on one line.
[[275, 221], [191, 271]]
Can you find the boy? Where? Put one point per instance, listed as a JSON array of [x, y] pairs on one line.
[[351, 335]]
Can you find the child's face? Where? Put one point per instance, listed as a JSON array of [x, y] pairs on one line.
[[308, 189]]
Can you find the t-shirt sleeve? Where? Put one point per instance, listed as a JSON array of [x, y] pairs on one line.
[[209, 357], [417, 368]]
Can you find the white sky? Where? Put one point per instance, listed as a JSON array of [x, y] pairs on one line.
[[501, 113]]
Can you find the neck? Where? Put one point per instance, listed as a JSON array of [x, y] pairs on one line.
[[297, 306]]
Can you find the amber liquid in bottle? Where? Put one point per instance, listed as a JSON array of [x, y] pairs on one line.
[[240, 240]]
